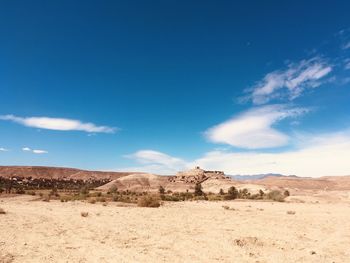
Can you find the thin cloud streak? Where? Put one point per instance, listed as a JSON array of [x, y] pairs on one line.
[[58, 124]]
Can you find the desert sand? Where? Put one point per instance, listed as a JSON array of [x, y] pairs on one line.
[[197, 231]]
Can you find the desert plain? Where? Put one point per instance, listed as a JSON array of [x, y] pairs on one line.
[[301, 229]]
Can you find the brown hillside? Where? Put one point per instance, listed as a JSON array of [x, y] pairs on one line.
[[302, 183], [42, 172]]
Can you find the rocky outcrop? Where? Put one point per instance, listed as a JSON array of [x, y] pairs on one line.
[[197, 175]]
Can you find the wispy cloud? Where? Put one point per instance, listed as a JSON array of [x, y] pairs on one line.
[[291, 82], [58, 124], [253, 128], [27, 149], [3, 149]]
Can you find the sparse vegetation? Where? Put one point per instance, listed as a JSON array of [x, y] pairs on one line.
[[113, 189], [161, 190], [198, 190], [232, 193], [92, 201], [148, 201], [275, 195]]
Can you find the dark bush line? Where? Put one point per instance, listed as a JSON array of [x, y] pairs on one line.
[[20, 184]]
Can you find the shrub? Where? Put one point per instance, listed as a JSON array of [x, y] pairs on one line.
[[101, 199], [148, 201], [276, 196], [46, 198], [31, 193], [20, 191], [84, 214], [232, 193], [92, 201], [84, 190], [243, 193], [198, 190], [2, 211], [161, 190], [170, 198], [261, 193], [290, 212], [215, 197], [286, 193], [221, 192], [113, 189]]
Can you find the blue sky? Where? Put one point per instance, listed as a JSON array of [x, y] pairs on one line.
[[160, 86]]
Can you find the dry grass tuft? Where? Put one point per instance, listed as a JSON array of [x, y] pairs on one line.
[[84, 214], [148, 201]]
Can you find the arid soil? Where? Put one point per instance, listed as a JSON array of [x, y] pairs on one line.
[[317, 230]]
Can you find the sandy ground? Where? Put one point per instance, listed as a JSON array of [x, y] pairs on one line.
[[36, 231]]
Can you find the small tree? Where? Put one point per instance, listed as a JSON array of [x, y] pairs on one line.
[[161, 190], [198, 190], [232, 192], [261, 193], [286, 193], [221, 192]]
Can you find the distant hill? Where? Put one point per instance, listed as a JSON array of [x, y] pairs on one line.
[[257, 176], [43, 172]]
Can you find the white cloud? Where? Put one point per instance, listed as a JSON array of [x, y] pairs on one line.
[[3, 149], [27, 149], [291, 82], [253, 129], [318, 155], [58, 124], [155, 162], [39, 151]]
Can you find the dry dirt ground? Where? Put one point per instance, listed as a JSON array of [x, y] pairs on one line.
[[36, 231]]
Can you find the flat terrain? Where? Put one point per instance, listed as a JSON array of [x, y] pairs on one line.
[[37, 231]]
